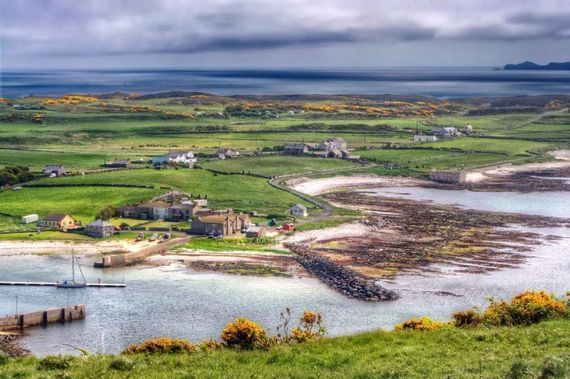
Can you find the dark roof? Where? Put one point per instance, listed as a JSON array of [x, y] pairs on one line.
[[55, 217], [53, 167], [100, 223]]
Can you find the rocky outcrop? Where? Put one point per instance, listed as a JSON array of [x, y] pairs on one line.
[[344, 280], [9, 344]]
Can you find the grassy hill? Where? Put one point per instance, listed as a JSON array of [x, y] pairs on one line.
[[446, 353]]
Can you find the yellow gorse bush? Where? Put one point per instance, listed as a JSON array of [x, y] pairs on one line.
[[244, 334], [424, 324], [526, 308], [161, 345]]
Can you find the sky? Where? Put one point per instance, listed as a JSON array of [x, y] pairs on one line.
[[280, 33]]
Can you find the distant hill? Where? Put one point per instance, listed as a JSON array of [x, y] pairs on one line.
[[560, 66]]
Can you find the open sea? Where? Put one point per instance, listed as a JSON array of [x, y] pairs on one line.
[[445, 82]]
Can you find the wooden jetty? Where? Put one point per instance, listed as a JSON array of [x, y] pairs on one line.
[[55, 284], [42, 318]]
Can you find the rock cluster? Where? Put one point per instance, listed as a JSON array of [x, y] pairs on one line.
[[344, 280], [9, 344]]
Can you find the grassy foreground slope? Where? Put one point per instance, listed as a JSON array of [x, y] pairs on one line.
[[449, 352]]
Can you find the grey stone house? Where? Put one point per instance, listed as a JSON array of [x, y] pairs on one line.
[[99, 229], [295, 148]]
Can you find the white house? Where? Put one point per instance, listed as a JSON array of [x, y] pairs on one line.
[[424, 138], [299, 210], [445, 132], [182, 158]]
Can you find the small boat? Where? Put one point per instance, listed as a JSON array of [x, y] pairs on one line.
[[71, 283]]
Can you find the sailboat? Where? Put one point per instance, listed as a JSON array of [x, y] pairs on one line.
[[71, 283]]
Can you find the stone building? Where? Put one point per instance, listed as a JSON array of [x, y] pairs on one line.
[[100, 229]]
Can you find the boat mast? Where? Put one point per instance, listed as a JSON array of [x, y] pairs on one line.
[[73, 266]]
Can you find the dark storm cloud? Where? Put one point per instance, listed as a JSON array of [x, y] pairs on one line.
[[102, 27]]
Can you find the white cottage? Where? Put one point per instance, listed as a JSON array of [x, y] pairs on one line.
[[299, 210]]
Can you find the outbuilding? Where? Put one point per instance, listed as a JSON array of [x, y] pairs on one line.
[[28, 219], [299, 210]]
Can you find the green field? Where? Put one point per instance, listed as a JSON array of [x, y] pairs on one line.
[[240, 192], [83, 203], [278, 165], [447, 353]]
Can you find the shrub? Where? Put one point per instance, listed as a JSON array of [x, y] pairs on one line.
[[244, 334], [4, 358], [524, 309], [161, 345], [555, 367], [310, 327], [55, 362], [423, 324], [519, 370], [467, 318], [210, 345], [122, 364]]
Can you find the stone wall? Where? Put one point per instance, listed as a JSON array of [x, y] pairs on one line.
[[451, 177], [129, 259], [45, 317]]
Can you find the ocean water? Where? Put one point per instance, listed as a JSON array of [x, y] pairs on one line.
[[177, 302], [433, 81]]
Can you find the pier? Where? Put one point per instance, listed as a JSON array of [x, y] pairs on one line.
[[129, 259], [42, 318], [54, 284]]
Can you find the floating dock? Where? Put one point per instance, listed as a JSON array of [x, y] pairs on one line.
[[54, 284], [42, 318]]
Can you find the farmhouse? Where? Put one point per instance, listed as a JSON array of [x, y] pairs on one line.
[[220, 223], [445, 132], [176, 158], [162, 210], [425, 138], [121, 163], [55, 170], [298, 210], [295, 148], [100, 229], [227, 153], [332, 144], [58, 221]]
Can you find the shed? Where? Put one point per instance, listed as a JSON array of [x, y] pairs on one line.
[[299, 210], [28, 219]]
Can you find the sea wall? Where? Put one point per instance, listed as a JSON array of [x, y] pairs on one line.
[[128, 259], [42, 318], [452, 177]]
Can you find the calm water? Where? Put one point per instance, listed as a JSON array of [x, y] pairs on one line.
[[441, 82], [555, 203], [177, 302]]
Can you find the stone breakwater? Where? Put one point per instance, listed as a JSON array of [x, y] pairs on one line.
[[342, 279]]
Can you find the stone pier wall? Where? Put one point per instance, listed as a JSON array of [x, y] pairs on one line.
[[42, 318]]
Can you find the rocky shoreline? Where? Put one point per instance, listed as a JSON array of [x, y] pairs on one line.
[[342, 279], [10, 344]]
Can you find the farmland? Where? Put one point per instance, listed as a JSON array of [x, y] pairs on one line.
[[241, 192], [84, 132]]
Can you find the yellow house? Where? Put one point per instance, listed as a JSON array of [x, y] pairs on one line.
[[58, 221]]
